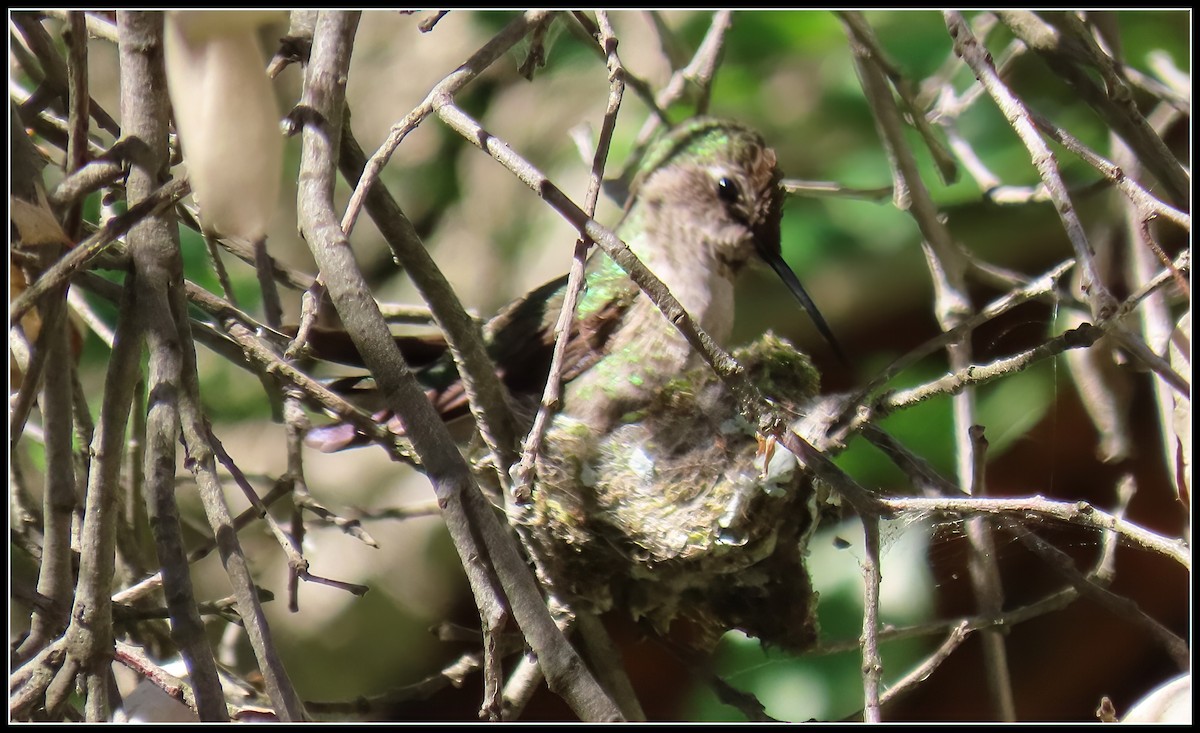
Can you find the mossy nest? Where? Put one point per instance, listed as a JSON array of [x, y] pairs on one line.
[[683, 510]]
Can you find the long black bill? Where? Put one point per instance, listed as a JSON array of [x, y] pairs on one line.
[[775, 260]]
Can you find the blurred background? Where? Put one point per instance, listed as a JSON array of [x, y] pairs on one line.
[[791, 75]]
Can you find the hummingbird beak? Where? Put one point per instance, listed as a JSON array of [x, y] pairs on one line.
[[775, 260]]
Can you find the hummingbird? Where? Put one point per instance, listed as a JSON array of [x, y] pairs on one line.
[[707, 200], [650, 495]]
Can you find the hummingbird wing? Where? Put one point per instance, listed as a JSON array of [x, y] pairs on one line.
[[520, 340], [334, 344]]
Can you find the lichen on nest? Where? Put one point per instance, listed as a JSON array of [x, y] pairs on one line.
[[680, 511]]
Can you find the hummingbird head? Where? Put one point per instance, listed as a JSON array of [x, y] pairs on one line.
[[719, 182], [718, 179]]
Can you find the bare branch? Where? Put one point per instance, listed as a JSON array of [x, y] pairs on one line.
[[464, 336], [154, 249], [872, 662], [1079, 513], [985, 579], [88, 249], [1094, 289], [472, 67], [1066, 50]]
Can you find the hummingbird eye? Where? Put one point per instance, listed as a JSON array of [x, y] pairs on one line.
[[727, 190]]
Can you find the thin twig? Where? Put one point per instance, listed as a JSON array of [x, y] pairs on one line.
[[304, 499], [872, 662], [32, 370], [953, 304], [97, 27], [923, 671], [296, 43], [975, 55], [55, 579], [859, 410], [472, 67], [1106, 566], [668, 41], [77, 117], [429, 22], [985, 579], [1079, 513], [1179, 83], [90, 178], [200, 449], [953, 106], [864, 34], [135, 538], [85, 251], [816, 189], [1122, 607], [260, 354], [1147, 205], [310, 310], [588, 30], [1067, 50], [699, 668], [974, 374], [218, 266], [84, 312], [987, 181], [25, 518], [151, 584], [1138, 349], [425, 509], [453, 674], [290, 546], [1048, 604], [135, 659], [244, 251], [700, 71]]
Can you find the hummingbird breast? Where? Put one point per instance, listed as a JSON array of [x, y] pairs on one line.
[[646, 350]]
